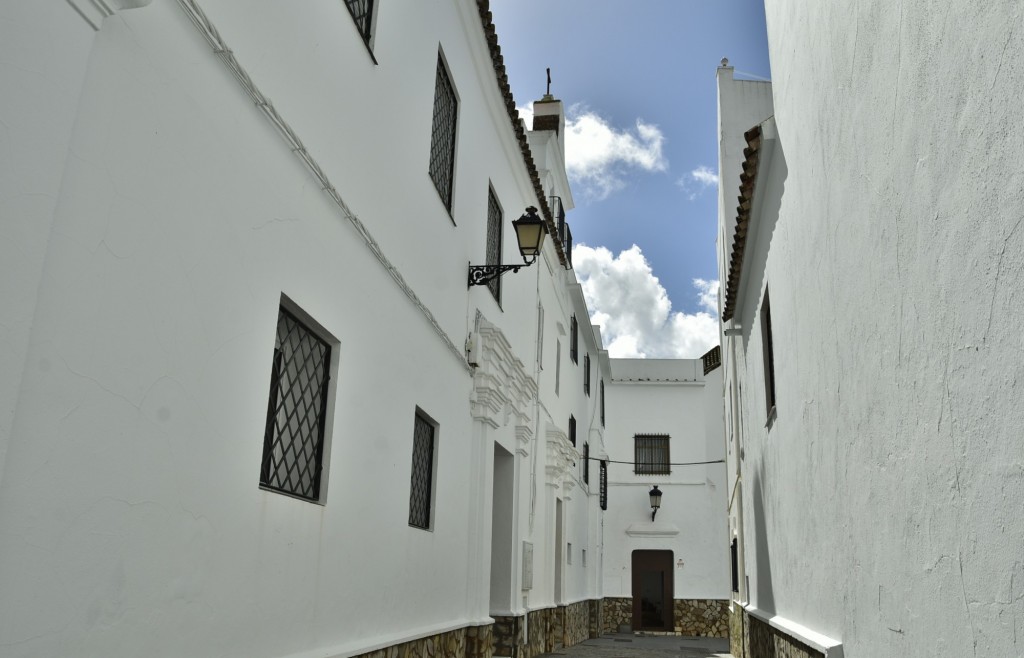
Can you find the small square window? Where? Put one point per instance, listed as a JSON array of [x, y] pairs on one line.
[[422, 478], [651, 454], [293, 441]]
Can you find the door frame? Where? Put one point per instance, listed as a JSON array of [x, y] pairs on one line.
[[644, 561]]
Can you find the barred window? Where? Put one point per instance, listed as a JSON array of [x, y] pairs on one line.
[[572, 430], [574, 344], [494, 242], [604, 484], [442, 136], [586, 463], [362, 14], [422, 480], [586, 374], [293, 441], [651, 454], [735, 562], [768, 351], [602, 403]]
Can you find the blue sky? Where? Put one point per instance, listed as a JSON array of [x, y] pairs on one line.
[[638, 82]]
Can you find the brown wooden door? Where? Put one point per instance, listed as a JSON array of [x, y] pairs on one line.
[[652, 591]]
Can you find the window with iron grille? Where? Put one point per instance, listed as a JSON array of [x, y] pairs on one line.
[[767, 349], [362, 14], [651, 455], [442, 136], [572, 430], [602, 402], [574, 339], [494, 242], [568, 246], [735, 559], [586, 374], [586, 463], [422, 479], [293, 441], [604, 484]]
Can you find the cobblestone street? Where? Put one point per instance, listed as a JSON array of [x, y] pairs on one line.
[[627, 645]]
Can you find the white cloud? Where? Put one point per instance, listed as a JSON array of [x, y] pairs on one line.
[[599, 156], [634, 311], [698, 180]]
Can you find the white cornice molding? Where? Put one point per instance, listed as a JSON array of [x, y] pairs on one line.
[[94, 11]]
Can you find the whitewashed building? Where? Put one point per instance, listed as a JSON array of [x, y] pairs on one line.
[[666, 570], [248, 404], [871, 279]]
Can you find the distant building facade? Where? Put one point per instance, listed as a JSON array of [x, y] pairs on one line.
[[666, 572], [871, 272]]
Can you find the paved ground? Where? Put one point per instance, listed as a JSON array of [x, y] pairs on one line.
[[642, 646]]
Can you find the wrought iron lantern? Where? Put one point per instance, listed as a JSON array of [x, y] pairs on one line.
[[530, 232], [655, 495]]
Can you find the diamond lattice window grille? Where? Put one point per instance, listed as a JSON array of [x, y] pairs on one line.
[[494, 242], [362, 14], [422, 473], [442, 137], [293, 441]]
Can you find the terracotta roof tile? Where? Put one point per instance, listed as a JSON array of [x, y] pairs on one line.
[[501, 77], [748, 179]]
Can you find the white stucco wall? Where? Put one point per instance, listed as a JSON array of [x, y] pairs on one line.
[[661, 396], [130, 512], [882, 507]]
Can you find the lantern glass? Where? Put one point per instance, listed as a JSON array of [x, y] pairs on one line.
[[530, 234], [655, 494]]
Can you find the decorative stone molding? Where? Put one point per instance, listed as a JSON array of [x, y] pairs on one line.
[[94, 11], [502, 389], [561, 455]]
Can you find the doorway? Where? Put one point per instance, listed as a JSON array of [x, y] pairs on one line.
[[652, 591]]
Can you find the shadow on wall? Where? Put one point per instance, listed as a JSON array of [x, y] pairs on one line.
[[770, 186], [765, 600]]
